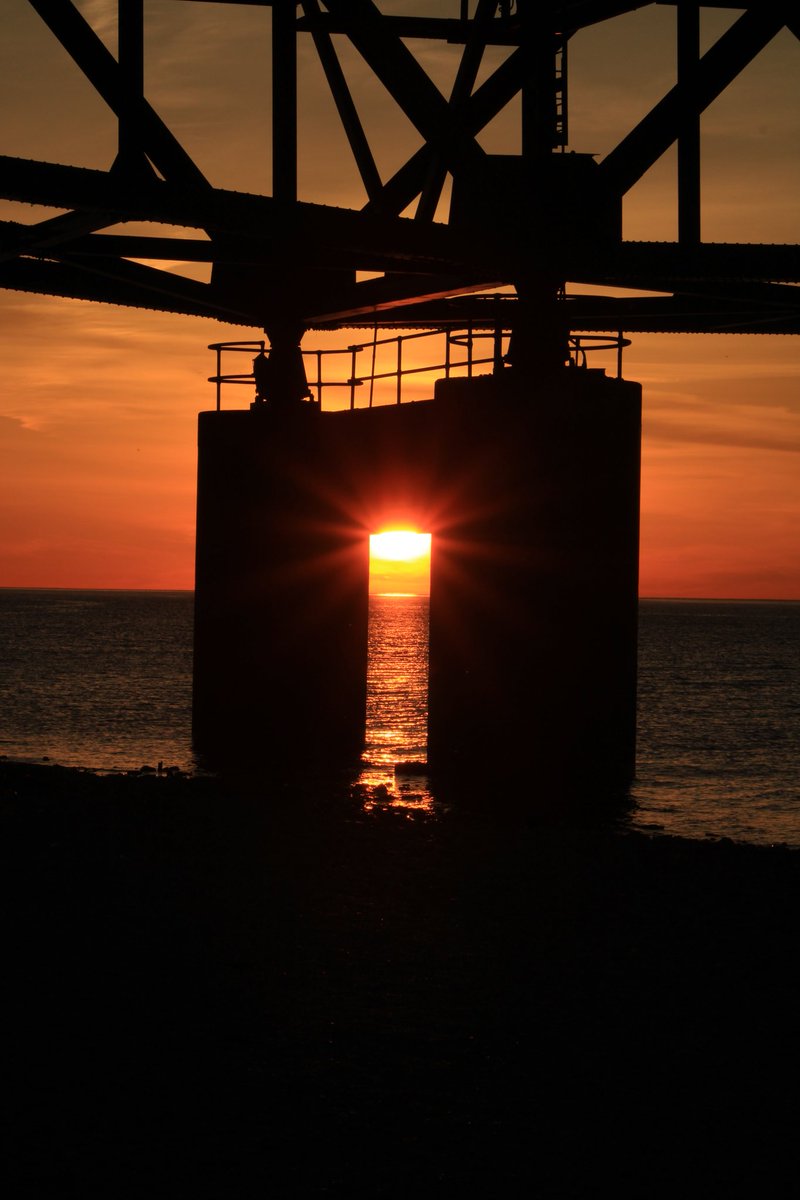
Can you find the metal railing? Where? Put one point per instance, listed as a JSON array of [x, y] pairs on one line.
[[464, 350]]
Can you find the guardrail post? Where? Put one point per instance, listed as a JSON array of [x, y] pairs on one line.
[[353, 352], [498, 349], [318, 355]]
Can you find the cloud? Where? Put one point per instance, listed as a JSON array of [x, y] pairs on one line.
[[768, 427], [16, 430]]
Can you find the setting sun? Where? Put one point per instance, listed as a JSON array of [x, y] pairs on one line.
[[400, 561], [400, 545]]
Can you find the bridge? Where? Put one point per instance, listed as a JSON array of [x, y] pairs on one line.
[[525, 468]]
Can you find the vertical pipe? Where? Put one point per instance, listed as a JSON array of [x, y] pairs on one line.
[[219, 378], [689, 137], [562, 85], [284, 101], [399, 367], [538, 92]]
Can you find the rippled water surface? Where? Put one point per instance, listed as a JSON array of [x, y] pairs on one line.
[[96, 679], [103, 680], [719, 719]]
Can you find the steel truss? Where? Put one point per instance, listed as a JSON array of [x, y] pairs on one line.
[[276, 258]]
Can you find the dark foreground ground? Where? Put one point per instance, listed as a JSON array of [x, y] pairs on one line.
[[213, 989]]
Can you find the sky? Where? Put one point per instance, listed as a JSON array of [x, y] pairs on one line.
[[99, 404]]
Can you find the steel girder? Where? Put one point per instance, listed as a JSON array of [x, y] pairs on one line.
[[256, 243]]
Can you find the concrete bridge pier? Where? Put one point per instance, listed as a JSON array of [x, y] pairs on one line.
[[534, 588], [531, 494], [281, 596]]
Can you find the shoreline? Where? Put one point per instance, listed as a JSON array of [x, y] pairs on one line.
[[612, 814], [223, 984]]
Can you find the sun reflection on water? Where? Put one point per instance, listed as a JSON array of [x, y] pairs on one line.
[[402, 786], [394, 764]]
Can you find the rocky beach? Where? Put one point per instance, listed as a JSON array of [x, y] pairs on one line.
[[230, 986]]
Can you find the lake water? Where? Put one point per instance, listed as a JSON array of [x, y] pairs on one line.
[[102, 680]]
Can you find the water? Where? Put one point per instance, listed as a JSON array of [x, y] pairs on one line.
[[103, 680], [719, 719], [96, 679], [397, 702]]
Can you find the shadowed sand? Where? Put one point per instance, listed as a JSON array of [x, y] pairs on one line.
[[230, 988]]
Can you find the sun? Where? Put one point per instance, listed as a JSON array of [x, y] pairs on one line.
[[400, 563], [400, 545]]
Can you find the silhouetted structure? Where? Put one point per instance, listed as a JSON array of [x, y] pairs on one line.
[[262, 376], [531, 491], [543, 463]]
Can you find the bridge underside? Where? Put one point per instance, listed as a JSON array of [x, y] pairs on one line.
[[532, 497]]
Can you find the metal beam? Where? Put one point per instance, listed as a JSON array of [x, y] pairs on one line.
[[284, 102], [20, 239], [597, 314], [650, 265], [130, 37], [737, 47], [573, 15], [491, 97], [689, 135], [126, 284], [406, 82], [242, 252], [103, 72], [382, 295], [348, 114], [463, 84], [242, 215]]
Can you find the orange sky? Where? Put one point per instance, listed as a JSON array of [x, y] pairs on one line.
[[98, 404]]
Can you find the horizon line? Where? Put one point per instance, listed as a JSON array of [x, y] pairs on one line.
[[21, 587]]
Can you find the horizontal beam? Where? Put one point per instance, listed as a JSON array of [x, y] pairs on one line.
[[598, 314], [310, 227], [17, 239], [595, 314], [376, 296], [646, 264], [125, 284], [569, 16]]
